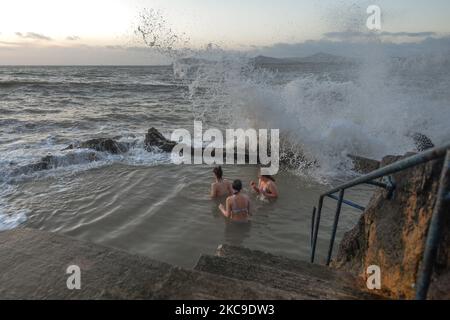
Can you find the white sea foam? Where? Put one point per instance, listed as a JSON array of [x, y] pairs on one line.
[[372, 113], [10, 218], [369, 110]]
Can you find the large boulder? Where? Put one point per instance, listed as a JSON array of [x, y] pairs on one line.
[[105, 145], [391, 233], [421, 141], [154, 138], [102, 145], [363, 165]]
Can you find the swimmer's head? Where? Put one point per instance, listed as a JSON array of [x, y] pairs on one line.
[[237, 185], [218, 172]]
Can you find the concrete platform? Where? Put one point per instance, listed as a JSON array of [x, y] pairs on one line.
[[310, 281], [33, 266]]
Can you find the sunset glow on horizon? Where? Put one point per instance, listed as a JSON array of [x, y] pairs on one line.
[[108, 24]]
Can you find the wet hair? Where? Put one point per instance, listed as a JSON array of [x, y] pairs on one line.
[[218, 172], [237, 185]]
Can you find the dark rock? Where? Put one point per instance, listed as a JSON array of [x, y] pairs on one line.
[[46, 163], [287, 158], [421, 141], [102, 145], [52, 162], [364, 165], [69, 147], [392, 234], [154, 138], [105, 145]]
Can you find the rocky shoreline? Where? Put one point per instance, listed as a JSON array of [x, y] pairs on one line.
[[392, 231], [155, 141]]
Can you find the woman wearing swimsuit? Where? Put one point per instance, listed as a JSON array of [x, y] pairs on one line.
[[266, 187], [237, 206], [221, 187]]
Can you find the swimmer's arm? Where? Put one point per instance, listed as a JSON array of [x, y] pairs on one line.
[[273, 192], [254, 187], [226, 211]]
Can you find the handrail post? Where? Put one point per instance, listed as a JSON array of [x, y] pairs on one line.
[[316, 229], [313, 220], [435, 229], [335, 224]]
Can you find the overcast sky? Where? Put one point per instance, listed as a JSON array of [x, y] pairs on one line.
[[102, 31]]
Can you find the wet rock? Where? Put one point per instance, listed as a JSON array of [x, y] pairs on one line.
[[392, 234], [102, 145], [364, 165], [69, 147], [154, 138], [52, 162], [421, 141], [46, 163], [105, 145]]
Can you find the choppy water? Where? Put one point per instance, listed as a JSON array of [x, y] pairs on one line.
[[141, 203]]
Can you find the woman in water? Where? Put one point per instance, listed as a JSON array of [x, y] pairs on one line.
[[237, 206], [220, 187], [266, 186]]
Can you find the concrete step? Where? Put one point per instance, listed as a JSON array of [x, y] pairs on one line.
[[33, 266], [311, 281], [278, 262]]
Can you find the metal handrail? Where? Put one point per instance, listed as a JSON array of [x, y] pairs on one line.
[[370, 178], [435, 231]]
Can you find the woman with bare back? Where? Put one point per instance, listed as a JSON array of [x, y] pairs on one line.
[[221, 187], [237, 206]]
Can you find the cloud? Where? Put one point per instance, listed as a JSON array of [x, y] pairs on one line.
[[345, 35], [73, 38], [33, 35], [9, 43], [409, 34], [350, 48]]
